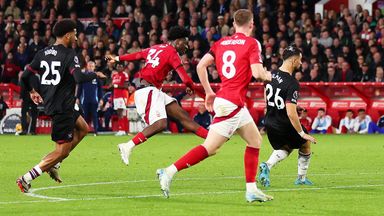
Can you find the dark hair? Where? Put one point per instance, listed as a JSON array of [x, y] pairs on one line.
[[349, 110], [321, 109], [361, 110], [290, 51], [63, 27], [177, 32]]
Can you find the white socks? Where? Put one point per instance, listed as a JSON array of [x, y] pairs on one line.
[[302, 165], [251, 187], [32, 174], [130, 144], [171, 170], [276, 156]]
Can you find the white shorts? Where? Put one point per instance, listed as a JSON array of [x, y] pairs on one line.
[[226, 120], [150, 104], [119, 103]]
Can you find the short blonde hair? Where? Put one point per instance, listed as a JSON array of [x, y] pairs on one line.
[[242, 17]]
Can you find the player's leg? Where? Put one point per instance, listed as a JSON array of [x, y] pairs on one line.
[[150, 106], [80, 131], [210, 146], [120, 122], [175, 111], [60, 153], [303, 164], [252, 136]]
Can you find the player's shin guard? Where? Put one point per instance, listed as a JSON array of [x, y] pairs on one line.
[[202, 132], [276, 157], [251, 160], [193, 157], [303, 164], [32, 174]]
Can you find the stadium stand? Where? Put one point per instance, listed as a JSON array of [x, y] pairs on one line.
[[341, 43]]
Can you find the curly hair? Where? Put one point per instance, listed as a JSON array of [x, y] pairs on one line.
[[63, 27], [177, 32]]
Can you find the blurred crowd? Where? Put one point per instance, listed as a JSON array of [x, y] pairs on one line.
[[338, 46]]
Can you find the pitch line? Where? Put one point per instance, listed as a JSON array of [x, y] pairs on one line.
[[59, 199], [185, 194]]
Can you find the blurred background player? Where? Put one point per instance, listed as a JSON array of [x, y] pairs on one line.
[[28, 110], [362, 122], [285, 133], [59, 69], [152, 104], [89, 94], [321, 123], [237, 58], [347, 123], [305, 120], [120, 83], [376, 128], [203, 117]]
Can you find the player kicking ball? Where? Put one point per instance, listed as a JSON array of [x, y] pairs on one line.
[[237, 59], [59, 69], [152, 104], [285, 133]]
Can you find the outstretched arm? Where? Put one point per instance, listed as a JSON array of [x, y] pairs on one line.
[[128, 57]]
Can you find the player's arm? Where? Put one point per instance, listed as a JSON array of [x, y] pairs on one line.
[[258, 71], [291, 107], [78, 75], [201, 68], [128, 57], [30, 80]]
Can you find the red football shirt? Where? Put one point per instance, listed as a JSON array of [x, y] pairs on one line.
[[119, 79], [159, 60], [234, 56]]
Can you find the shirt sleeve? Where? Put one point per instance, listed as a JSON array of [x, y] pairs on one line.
[[212, 51], [75, 70], [293, 93], [255, 53], [34, 66], [135, 56], [29, 78], [175, 61]]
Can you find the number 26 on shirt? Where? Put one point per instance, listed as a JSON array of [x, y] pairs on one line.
[[277, 101]]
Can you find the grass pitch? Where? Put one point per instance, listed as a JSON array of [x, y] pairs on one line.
[[348, 173]]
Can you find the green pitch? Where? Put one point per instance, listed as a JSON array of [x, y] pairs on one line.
[[348, 172]]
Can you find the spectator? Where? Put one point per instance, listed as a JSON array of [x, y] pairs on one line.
[[203, 118], [3, 107], [21, 56], [89, 95], [13, 10], [347, 123], [376, 128], [321, 123], [11, 70], [305, 120], [362, 122], [379, 77], [331, 75]]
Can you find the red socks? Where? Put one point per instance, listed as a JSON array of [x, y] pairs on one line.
[[123, 124], [202, 132], [193, 157], [139, 138], [251, 160]]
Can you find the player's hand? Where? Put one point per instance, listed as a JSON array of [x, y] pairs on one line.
[[189, 91], [309, 138], [35, 96], [100, 75], [209, 98], [110, 58]]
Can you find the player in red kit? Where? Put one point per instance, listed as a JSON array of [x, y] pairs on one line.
[[120, 81], [152, 104], [237, 59]]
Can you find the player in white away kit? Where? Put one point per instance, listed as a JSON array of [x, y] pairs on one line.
[[237, 59]]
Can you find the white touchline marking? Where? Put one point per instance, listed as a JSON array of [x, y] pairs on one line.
[[58, 199], [188, 194]]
